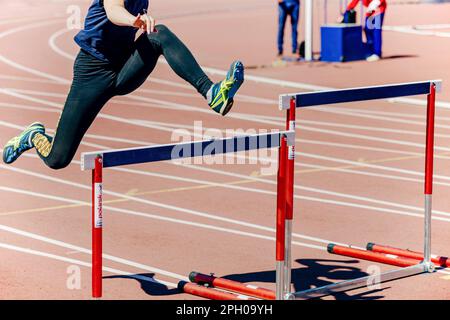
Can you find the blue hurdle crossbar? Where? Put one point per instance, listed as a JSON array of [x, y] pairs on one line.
[[122, 157], [308, 99]]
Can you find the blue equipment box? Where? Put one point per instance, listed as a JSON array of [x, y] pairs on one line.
[[342, 42]]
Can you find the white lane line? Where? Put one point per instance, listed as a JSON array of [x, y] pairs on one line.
[[190, 223], [342, 145], [301, 122], [304, 128], [303, 141], [315, 190], [69, 246], [364, 147], [82, 263], [246, 117], [297, 187], [30, 26], [419, 102], [202, 214], [303, 154], [414, 31], [368, 165], [221, 71], [324, 191], [28, 79], [337, 133], [282, 83], [333, 159], [431, 26], [420, 116], [54, 47], [33, 71], [391, 119], [27, 19], [151, 216], [6, 60], [215, 217], [191, 212]]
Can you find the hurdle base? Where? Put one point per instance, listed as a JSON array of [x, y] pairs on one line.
[[361, 282]]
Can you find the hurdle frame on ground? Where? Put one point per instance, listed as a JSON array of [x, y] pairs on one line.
[[290, 102], [97, 161]]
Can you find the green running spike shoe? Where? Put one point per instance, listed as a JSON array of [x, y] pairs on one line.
[[222, 93], [23, 142]]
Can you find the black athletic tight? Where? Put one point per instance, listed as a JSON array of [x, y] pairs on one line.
[[95, 82]]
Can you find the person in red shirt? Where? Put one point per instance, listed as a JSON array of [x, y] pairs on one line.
[[373, 25]]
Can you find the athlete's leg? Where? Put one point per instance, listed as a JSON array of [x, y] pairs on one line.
[[92, 87], [377, 34], [180, 59], [138, 67], [148, 49]]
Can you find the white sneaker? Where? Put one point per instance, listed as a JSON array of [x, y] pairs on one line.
[[373, 58]]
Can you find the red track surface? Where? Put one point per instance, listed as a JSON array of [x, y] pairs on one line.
[[350, 203]]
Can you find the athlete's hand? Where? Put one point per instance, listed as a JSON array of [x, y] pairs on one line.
[[145, 22]]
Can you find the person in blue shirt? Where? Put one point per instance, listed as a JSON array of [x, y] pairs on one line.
[[288, 8], [111, 62]]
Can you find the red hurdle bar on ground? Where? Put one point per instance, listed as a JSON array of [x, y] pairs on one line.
[[97, 161], [230, 285], [209, 293], [438, 260]]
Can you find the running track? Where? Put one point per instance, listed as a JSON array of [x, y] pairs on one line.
[[359, 166]]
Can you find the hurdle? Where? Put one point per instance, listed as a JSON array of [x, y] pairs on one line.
[[97, 161], [409, 264]]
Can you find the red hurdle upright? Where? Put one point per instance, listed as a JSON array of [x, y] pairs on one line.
[[97, 226], [290, 174], [285, 207], [281, 218], [431, 102]]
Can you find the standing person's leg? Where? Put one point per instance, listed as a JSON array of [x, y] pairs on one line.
[[282, 16], [91, 88], [295, 16], [368, 30], [164, 42], [377, 35]]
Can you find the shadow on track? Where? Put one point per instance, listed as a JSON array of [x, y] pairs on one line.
[[400, 56], [316, 273], [150, 288], [311, 273]]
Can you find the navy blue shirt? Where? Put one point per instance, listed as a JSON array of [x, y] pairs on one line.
[[105, 40]]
